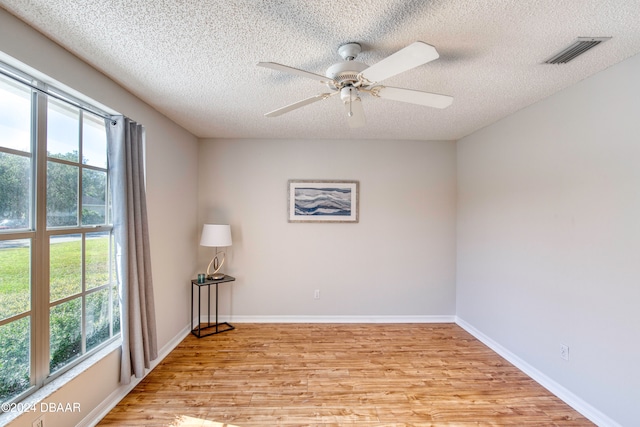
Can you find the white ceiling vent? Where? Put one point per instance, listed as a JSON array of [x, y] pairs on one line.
[[577, 48]]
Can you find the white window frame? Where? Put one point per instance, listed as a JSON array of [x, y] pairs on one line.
[[40, 235]]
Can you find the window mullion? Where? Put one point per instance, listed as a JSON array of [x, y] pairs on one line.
[[40, 284], [80, 162], [83, 264]]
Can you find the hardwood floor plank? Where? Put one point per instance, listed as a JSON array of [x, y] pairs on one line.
[[339, 375]]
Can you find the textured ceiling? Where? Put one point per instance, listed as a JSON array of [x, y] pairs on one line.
[[195, 61]]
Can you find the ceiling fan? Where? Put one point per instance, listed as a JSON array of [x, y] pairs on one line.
[[350, 79]]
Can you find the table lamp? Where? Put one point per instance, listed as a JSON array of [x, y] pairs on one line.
[[218, 236]]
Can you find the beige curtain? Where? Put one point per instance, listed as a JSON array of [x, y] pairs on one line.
[[133, 260]]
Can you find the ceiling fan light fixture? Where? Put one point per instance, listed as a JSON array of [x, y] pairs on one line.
[[348, 94]]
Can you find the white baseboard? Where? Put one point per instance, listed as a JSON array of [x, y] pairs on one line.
[[562, 393], [99, 412], [335, 319]]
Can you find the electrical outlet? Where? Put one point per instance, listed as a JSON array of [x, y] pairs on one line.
[[564, 351], [316, 294], [39, 422]]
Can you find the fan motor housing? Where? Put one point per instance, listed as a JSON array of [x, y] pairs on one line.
[[345, 72]]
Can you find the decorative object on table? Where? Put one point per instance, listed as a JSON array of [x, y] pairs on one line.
[[202, 277], [218, 236], [323, 201]]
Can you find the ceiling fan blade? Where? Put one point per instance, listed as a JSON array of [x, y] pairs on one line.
[[413, 96], [355, 113], [296, 105], [291, 70], [415, 54]]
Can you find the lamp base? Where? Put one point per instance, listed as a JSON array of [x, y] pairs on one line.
[[216, 276]]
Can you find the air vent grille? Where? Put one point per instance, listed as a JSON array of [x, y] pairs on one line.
[[577, 48]]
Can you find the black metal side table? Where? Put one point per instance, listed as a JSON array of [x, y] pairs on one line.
[[208, 328]]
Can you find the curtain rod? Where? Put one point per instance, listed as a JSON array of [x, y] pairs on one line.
[[92, 110]]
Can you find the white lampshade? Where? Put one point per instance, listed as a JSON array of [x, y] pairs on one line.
[[216, 235]]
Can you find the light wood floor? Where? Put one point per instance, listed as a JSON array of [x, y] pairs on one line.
[[339, 375]]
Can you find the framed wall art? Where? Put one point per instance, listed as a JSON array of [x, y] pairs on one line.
[[323, 201]]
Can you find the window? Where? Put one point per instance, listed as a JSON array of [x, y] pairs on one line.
[[58, 294]]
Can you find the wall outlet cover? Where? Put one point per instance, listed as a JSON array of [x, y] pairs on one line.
[[564, 351], [39, 422]]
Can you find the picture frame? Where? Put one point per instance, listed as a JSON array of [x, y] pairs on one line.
[[323, 201]]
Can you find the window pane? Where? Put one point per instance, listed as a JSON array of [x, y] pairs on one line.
[[115, 297], [15, 115], [65, 266], [112, 250], [94, 141], [63, 130], [97, 318], [62, 195], [94, 197], [15, 191], [115, 301], [66, 333], [15, 357], [15, 277], [97, 259]]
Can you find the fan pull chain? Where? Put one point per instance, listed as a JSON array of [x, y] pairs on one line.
[[350, 101]]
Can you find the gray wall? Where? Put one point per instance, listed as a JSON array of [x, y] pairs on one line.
[[549, 237], [398, 261]]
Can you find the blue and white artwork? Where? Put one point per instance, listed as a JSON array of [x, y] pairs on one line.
[[323, 201]]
